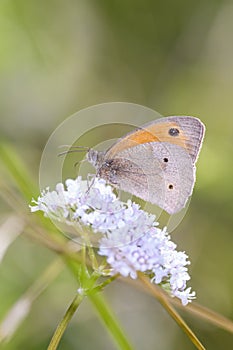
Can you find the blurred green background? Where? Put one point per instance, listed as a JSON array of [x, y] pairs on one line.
[[57, 57]]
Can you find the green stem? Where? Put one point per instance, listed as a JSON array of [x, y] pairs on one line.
[[162, 298], [110, 321], [64, 322], [101, 286]]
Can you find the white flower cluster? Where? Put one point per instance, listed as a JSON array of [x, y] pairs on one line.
[[130, 239]]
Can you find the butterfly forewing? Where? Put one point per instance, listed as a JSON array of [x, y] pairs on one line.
[[184, 131]]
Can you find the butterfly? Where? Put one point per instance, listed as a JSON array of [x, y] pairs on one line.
[[155, 162]]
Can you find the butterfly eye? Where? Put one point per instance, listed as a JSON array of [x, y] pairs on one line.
[[165, 160], [108, 163], [173, 132], [170, 187]]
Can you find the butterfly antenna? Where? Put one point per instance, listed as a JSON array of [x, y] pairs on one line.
[[79, 161], [70, 146], [73, 149]]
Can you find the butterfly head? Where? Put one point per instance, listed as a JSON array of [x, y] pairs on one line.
[[94, 157]]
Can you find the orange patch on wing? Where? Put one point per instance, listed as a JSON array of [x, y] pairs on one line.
[[142, 136], [157, 132]]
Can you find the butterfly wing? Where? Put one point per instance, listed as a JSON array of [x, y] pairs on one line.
[[184, 131], [159, 172]]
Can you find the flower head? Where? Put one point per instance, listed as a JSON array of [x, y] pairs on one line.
[[130, 239]]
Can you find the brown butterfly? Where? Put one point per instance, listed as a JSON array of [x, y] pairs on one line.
[[155, 162]]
